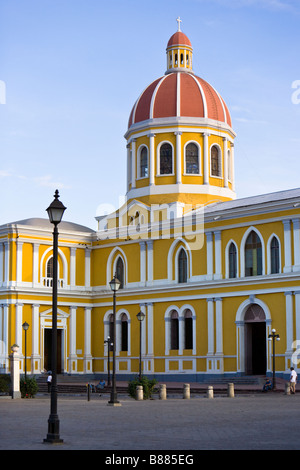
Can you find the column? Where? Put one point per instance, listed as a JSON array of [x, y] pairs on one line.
[[151, 159], [218, 256], [287, 247], [289, 328], [209, 255], [181, 335], [1, 264], [35, 356], [142, 264], [19, 329], [128, 167], [150, 332], [232, 166], [6, 263], [296, 236], [225, 157], [149, 263], [205, 158], [133, 163], [87, 267], [72, 339], [19, 261], [210, 326], [35, 262], [5, 337], [178, 157], [72, 267], [219, 326], [297, 311], [219, 335], [87, 359], [1, 338]]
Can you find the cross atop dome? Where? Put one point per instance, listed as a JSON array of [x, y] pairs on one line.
[[179, 21]]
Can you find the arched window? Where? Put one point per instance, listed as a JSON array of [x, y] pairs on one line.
[[124, 332], [144, 162], [215, 161], [120, 271], [188, 329], [232, 260], [191, 159], [166, 160], [50, 268], [182, 266], [274, 256], [174, 330], [253, 255]]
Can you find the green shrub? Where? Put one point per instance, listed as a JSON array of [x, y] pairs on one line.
[[30, 388], [148, 386], [4, 383]]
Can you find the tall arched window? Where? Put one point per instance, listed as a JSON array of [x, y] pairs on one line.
[[182, 266], [165, 160], [120, 271], [191, 159], [50, 268], [188, 329], [124, 332], [253, 255], [174, 330], [274, 256], [144, 162], [232, 260], [215, 161]]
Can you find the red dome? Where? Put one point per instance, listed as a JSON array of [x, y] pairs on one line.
[[179, 38], [179, 94]]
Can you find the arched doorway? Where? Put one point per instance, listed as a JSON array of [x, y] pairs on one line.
[[255, 340]]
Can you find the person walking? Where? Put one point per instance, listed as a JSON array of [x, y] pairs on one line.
[[49, 380], [293, 380]]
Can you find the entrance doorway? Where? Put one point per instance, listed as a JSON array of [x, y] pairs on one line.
[[48, 349], [255, 341]]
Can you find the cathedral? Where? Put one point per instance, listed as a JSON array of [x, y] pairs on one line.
[[212, 274]]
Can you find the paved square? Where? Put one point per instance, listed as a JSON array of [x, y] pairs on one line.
[[258, 421]]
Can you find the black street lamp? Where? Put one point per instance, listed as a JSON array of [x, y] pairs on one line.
[[114, 285], [109, 344], [272, 337], [25, 327], [55, 213], [140, 316]]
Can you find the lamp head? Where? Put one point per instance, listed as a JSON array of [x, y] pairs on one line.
[[115, 284], [25, 326], [56, 210], [140, 316]]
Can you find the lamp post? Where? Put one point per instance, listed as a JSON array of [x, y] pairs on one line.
[[55, 213], [109, 343], [114, 285], [25, 327], [272, 337], [140, 316]]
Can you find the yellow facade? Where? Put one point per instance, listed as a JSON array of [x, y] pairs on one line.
[[213, 274]]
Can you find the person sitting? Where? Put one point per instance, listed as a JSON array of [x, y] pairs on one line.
[[100, 386], [267, 386]]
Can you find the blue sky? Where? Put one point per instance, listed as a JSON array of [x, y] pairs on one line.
[[74, 68]]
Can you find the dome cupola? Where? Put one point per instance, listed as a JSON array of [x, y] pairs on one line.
[[179, 137], [179, 52]]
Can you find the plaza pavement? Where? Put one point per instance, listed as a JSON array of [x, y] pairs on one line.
[[249, 421]]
